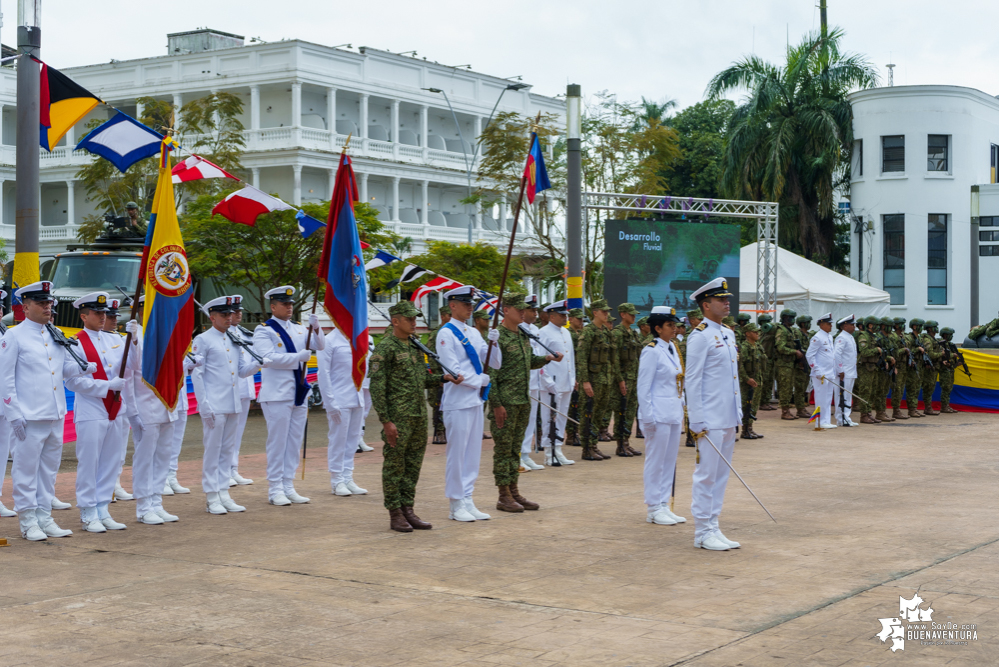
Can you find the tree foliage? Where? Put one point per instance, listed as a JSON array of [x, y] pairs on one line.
[[479, 264], [793, 135], [701, 129]]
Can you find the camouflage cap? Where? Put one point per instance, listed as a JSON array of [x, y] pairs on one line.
[[931, 324], [404, 309], [916, 322], [742, 318], [729, 320], [599, 304], [751, 328], [765, 318], [642, 321], [514, 300], [946, 331], [576, 312], [627, 308], [480, 315], [445, 310], [788, 313], [696, 312]]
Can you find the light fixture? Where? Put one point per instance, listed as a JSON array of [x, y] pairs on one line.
[[407, 53], [517, 86], [433, 90], [338, 46]]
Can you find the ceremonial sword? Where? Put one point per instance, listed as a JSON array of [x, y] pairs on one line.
[[705, 435], [846, 390]]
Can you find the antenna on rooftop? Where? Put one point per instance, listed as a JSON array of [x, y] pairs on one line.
[[891, 74]]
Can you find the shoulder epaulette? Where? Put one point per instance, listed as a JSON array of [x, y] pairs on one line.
[[652, 343], [264, 324], [701, 327]]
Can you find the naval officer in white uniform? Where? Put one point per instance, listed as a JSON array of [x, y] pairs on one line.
[[217, 384], [247, 387], [32, 370], [5, 444], [530, 317], [556, 380], [121, 426], [344, 405], [845, 349], [714, 408], [285, 411], [660, 413], [821, 360], [462, 404]]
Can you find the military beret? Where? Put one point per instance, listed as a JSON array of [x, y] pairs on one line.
[[404, 309], [627, 308]]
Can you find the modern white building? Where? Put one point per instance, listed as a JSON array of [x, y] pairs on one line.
[[301, 101], [922, 201]]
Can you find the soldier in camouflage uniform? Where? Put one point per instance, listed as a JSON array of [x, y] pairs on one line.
[[399, 377], [595, 362], [868, 355], [694, 317], [510, 403], [767, 333], [750, 378], [644, 331], [575, 330], [627, 348], [929, 343], [900, 344], [741, 320], [914, 378], [883, 329], [947, 369], [604, 420], [787, 356], [801, 373], [435, 394]]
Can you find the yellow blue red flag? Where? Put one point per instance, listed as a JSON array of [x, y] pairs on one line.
[[168, 320], [535, 172]]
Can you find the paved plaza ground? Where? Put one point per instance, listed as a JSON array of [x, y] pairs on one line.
[[866, 516]]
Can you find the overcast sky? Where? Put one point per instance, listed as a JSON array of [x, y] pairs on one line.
[[661, 48]]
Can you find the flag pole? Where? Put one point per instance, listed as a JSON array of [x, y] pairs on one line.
[[509, 252]]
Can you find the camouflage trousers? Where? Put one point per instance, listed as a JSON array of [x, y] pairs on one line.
[[767, 386], [434, 396], [946, 386], [591, 423], [898, 388], [864, 389], [929, 384], [571, 429], [749, 405], [785, 384], [507, 442], [402, 462], [884, 384], [603, 423], [800, 389], [624, 426], [913, 383]]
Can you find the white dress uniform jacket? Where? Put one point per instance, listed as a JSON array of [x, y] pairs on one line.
[[659, 400], [537, 349], [277, 381], [32, 370], [712, 382], [247, 388], [845, 351], [558, 378], [219, 380], [140, 401], [820, 355], [336, 382], [453, 355], [90, 392]]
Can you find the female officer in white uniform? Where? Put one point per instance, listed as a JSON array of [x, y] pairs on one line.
[[660, 413]]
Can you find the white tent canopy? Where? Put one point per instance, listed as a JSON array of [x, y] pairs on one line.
[[810, 289]]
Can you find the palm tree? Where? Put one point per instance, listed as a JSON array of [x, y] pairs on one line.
[[650, 110], [792, 134]]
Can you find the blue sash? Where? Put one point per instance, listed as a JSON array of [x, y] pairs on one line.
[[301, 386], [473, 356]]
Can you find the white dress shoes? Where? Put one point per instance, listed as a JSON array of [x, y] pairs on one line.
[[49, 526], [239, 479], [527, 462], [341, 490], [111, 524], [474, 511], [151, 518], [295, 498], [166, 516], [458, 511], [228, 503], [732, 544], [91, 524], [121, 494], [280, 500], [29, 527], [167, 491], [6, 513], [355, 489], [363, 447], [213, 504], [561, 457], [59, 505], [175, 485], [711, 542], [658, 516], [675, 517]]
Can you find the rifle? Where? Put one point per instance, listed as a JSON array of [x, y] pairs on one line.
[[241, 342], [959, 355], [553, 435], [536, 339], [800, 363], [431, 354], [60, 339]]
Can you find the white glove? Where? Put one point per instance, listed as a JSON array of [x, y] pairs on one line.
[[132, 327], [18, 426], [136, 423], [314, 321], [208, 419], [334, 414], [116, 384], [697, 427], [493, 335], [199, 361], [266, 362], [91, 368], [305, 355]]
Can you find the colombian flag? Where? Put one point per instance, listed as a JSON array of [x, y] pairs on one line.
[[168, 320], [342, 267], [62, 103], [535, 172]]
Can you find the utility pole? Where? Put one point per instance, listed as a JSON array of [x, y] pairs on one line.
[[822, 18], [27, 200], [574, 196]]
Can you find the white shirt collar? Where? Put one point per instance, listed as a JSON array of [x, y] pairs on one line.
[[33, 325]]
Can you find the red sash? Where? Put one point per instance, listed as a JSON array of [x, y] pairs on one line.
[[111, 405]]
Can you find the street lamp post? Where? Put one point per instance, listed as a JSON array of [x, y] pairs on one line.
[[469, 163]]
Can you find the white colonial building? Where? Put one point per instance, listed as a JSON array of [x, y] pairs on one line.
[[925, 159], [301, 101]]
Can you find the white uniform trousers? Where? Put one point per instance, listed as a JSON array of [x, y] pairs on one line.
[[220, 441], [710, 478], [464, 451], [36, 462], [6, 447], [285, 430], [343, 439], [532, 424], [562, 401], [366, 394], [179, 427], [823, 400], [98, 455], [244, 412], [843, 413], [150, 466], [662, 444]]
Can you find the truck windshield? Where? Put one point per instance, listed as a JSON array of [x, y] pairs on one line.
[[100, 272]]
